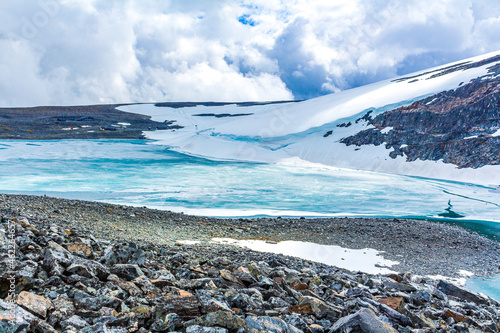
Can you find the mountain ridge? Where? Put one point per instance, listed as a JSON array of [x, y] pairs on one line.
[[438, 123], [458, 126]]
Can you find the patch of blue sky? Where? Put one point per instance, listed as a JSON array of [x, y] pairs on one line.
[[247, 20]]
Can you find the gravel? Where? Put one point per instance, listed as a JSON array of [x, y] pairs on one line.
[[421, 247]]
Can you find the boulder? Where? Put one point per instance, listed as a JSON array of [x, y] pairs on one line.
[[123, 254], [276, 302], [11, 324], [204, 329], [44, 327], [187, 307], [130, 288], [220, 318], [399, 286], [269, 324], [33, 303], [457, 317], [54, 262], [128, 272], [423, 321], [396, 303], [228, 276], [80, 247], [9, 310], [93, 268], [64, 305], [164, 274], [210, 304], [146, 285], [362, 321], [80, 270], [142, 312], [167, 323], [451, 289], [318, 308], [74, 321]]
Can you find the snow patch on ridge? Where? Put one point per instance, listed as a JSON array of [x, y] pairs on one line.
[[386, 130], [309, 131]]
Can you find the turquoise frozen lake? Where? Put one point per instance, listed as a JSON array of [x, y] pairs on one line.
[[136, 173]]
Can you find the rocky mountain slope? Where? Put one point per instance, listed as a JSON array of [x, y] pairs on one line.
[[74, 122], [441, 123], [458, 126]]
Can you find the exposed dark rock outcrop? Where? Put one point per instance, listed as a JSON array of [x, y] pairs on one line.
[[455, 126], [76, 122]]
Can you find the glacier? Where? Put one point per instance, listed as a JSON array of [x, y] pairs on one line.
[[295, 133]]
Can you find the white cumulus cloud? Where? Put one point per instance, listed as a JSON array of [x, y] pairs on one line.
[[117, 51]]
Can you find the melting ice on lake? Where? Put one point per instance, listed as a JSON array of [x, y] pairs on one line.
[[135, 173]]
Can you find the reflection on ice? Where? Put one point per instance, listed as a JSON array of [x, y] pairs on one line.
[[364, 260]]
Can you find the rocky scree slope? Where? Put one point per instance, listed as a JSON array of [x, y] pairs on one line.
[[456, 126], [71, 282]]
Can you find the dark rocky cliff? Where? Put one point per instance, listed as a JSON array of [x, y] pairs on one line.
[[456, 126]]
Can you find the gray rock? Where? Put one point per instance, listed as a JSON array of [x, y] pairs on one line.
[[277, 302], [4, 242], [19, 322], [320, 308], [103, 328], [44, 327], [390, 312], [28, 269], [88, 303], [9, 324], [128, 272], [146, 286], [220, 318], [54, 262], [164, 274], [93, 267], [79, 270], [210, 304], [208, 291], [453, 290], [298, 321], [167, 323], [123, 254], [240, 301], [204, 329], [64, 305], [269, 324], [74, 321], [362, 321], [405, 287], [20, 313]]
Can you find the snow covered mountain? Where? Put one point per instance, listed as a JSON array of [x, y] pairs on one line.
[[441, 123]]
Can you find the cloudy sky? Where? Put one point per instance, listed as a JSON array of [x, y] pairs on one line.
[[55, 52]]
